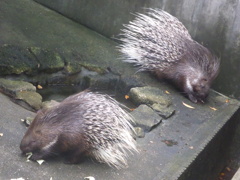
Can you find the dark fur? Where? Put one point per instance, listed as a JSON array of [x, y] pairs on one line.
[[196, 63], [158, 42], [58, 122], [87, 123]]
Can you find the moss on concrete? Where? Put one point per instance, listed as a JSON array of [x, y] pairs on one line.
[[95, 68], [16, 60], [11, 87], [23, 93], [48, 61], [73, 68], [149, 95], [31, 98]]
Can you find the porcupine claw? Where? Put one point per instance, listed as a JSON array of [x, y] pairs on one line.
[[192, 98]]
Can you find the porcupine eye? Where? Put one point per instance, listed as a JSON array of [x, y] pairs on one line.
[[34, 142], [29, 144]]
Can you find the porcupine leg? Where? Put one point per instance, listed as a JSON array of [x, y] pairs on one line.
[[37, 156], [75, 156], [192, 98], [41, 155]]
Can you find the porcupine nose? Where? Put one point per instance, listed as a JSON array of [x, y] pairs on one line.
[[27, 145]]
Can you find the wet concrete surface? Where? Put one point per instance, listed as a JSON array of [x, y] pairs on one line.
[[191, 129]]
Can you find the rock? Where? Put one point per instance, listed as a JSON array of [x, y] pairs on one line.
[[11, 87], [163, 110], [75, 61], [72, 68], [22, 92], [94, 68], [139, 132], [146, 118], [48, 61], [16, 60], [72, 62], [29, 98], [149, 95]]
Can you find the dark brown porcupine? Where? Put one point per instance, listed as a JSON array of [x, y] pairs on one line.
[[159, 42], [85, 124]]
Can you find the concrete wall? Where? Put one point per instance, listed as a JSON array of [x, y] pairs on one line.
[[214, 23]]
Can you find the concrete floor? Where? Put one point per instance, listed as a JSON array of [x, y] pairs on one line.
[[192, 132]]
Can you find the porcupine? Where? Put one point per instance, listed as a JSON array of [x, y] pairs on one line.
[[85, 124], [160, 43]]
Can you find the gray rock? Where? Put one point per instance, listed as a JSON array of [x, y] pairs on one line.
[[146, 118], [48, 61], [16, 60], [72, 62], [22, 92], [139, 132], [11, 87], [163, 110], [149, 95], [29, 99]]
